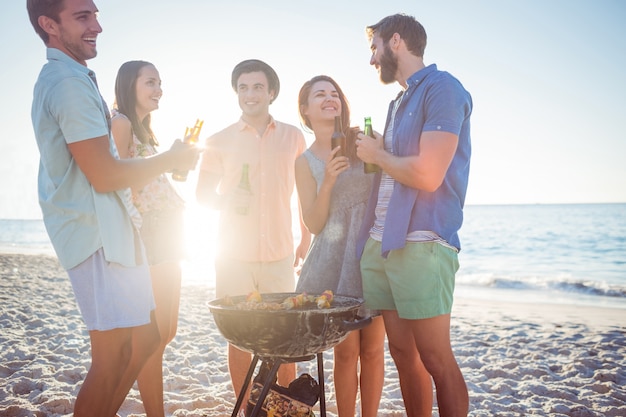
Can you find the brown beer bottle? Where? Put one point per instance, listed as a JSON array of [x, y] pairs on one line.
[[369, 167], [191, 136], [338, 138]]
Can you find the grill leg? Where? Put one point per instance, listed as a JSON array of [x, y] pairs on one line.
[[266, 387], [320, 381], [244, 388]]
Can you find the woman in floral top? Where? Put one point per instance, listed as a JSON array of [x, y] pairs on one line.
[[137, 94]]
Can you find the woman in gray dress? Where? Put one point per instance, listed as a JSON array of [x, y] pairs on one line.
[[333, 192]]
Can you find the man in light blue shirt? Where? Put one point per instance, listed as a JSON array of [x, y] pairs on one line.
[[408, 242], [74, 224], [84, 197]]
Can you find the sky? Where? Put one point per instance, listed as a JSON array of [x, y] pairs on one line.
[[546, 78]]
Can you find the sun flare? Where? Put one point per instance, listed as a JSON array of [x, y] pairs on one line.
[[201, 242]]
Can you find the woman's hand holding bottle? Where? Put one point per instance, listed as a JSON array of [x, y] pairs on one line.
[[192, 136]]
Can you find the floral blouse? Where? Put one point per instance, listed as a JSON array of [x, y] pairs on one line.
[[157, 195]]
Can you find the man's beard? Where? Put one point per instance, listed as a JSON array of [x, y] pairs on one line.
[[388, 66], [78, 50]]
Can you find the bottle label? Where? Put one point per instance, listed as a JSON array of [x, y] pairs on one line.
[[243, 193]]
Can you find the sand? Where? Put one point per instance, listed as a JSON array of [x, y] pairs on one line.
[[518, 359]]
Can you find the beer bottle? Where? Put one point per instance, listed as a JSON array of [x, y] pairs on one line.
[[191, 136], [369, 167], [243, 193], [338, 138]]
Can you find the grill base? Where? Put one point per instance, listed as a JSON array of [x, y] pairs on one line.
[[274, 363]]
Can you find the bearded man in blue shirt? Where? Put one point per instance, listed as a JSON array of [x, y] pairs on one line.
[[408, 242]]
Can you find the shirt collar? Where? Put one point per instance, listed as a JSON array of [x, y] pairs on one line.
[[419, 76], [54, 54], [243, 125]]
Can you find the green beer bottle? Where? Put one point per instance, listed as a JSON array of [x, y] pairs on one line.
[[368, 167], [243, 193]]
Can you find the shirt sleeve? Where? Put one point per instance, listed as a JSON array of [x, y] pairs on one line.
[[211, 161], [301, 142], [446, 106], [78, 109]]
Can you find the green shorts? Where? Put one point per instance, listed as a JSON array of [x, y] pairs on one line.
[[417, 281]]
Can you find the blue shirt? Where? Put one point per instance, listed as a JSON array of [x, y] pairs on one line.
[[433, 101], [67, 108]]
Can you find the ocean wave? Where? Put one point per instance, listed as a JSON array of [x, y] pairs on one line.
[[564, 285]]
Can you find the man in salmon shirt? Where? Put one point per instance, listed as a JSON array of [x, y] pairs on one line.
[[256, 247]]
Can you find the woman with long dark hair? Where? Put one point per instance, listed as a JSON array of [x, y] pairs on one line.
[[137, 94]]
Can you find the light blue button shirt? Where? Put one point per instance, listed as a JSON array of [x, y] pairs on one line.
[[67, 108]]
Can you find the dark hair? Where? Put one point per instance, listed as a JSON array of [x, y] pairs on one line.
[[255, 65], [303, 101], [409, 29], [126, 100], [48, 8]]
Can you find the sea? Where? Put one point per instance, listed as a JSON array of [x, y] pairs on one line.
[[545, 253]]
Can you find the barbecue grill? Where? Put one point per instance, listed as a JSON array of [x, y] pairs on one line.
[[277, 336]]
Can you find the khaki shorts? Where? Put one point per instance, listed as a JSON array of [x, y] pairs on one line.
[[234, 277], [417, 281]]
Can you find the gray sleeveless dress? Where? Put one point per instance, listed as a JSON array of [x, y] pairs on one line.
[[331, 263]]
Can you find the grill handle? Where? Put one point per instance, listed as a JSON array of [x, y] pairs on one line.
[[350, 325]]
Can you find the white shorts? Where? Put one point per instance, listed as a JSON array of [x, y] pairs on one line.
[[112, 296]]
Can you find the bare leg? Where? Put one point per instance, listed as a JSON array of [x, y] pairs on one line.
[[144, 341], [166, 279], [111, 374], [238, 364], [432, 338], [286, 374], [372, 359], [415, 382], [366, 346], [345, 371]]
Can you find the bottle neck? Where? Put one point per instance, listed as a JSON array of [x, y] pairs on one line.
[[338, 124]]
